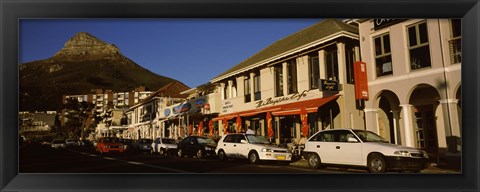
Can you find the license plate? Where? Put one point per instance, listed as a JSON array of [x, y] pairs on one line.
[[280, 157]]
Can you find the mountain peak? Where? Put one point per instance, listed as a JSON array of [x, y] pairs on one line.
[[85, 46]]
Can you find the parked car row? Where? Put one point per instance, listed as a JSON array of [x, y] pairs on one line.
[[64, 143], [335, 147]]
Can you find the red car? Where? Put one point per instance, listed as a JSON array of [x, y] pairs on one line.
[[109, 145]]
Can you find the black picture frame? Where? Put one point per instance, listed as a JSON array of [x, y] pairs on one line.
[[12, 11]]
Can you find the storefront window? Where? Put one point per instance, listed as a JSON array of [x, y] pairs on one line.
[[278, 80], [383, 56], [292, 76], [419, 46], [314, 70]]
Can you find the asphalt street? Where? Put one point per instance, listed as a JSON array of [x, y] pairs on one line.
[[44, 159]]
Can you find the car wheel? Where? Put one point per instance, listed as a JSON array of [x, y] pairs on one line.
[[253, 157], [199, 154], [152, 151], [162, 151], [376, 164], [180, 153], [222, 156], [314, 161]]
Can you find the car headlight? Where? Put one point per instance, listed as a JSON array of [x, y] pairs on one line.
[[267, 150], [402, 153], [425, 154], [208, 148]]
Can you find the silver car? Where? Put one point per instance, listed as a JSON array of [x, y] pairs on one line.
[[164, 146]]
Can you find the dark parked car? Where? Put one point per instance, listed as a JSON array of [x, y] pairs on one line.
[[128, 144], [196, 146], [143, 145]]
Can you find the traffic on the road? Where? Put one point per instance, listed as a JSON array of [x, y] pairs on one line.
[[330, 151]]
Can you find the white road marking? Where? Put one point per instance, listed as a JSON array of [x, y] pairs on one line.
[[139, 163]]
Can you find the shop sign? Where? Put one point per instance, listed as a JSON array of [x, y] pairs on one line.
[[200, 102], [166, 112], [382, 23], [273, 101], [227, 107], [361, 82], [328, 85], [182, 108]]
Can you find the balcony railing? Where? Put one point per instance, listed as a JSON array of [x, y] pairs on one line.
[[455, 47]]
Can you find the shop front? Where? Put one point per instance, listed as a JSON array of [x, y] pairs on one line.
[[281, 123]]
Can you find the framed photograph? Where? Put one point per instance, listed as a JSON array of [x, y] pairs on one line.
[[369, 18]]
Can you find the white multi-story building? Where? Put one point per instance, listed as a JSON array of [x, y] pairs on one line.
[[147, 119], [304, 82], [414, 80], [106, 100]]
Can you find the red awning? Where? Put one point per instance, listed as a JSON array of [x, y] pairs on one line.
[[281, 110], [310, 105], [225, 117]]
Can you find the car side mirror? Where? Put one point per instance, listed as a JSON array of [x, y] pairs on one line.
[[352, 140], [243, 141]]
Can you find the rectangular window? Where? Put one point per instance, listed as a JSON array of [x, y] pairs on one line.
[[331, 64], [314, 71], [383, 56], [350, 60], [292, 76], [256, 86], [225, 92], [455, 43], [418, 46], [278, 80], [247, 90]]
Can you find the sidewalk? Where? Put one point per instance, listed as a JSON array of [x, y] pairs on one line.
[[432, 169]]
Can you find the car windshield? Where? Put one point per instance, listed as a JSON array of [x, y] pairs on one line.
[[257, 139], [145, 141], [168, 141], [368, 136], [57, 141], [205, 141], [127, 141]]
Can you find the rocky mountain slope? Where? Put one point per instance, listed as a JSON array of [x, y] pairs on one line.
[[83, 64]]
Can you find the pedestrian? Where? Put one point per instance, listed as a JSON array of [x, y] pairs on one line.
[[250, 130]]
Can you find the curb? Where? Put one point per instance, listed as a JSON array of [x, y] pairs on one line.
[[433, 168]]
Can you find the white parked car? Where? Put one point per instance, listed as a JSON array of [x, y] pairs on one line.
[[164, 146], [255, 148], [361, 148], [58, 143]]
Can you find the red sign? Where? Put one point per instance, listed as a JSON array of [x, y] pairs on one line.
[[269, 125], [304, 119], [361, 82]]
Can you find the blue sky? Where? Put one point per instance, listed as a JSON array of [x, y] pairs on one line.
[[192, 51]]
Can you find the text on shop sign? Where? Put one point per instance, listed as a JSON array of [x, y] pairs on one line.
[[273, 101]]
